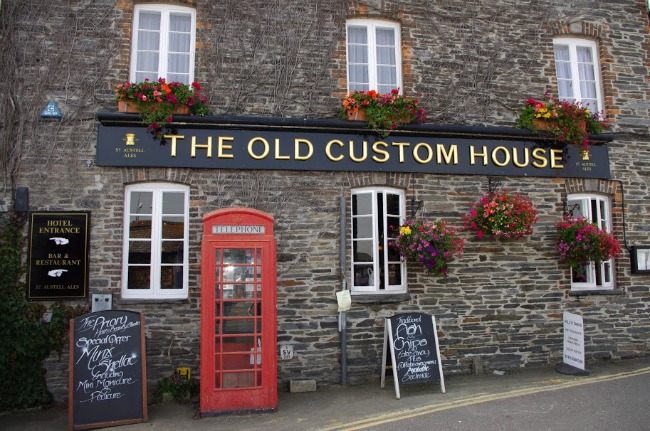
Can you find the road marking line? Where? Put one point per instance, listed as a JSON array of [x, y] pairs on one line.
[[477, 399]]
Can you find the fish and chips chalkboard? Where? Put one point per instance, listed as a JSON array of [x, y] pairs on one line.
[[107, 375], [412, 343]]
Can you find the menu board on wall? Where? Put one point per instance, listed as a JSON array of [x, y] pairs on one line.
[[58, 255], [107, 375], [412, 343]]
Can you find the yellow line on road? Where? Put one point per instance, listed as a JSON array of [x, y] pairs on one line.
[[476, 399]]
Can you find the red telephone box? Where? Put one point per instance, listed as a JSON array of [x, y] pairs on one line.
[[238, 312]]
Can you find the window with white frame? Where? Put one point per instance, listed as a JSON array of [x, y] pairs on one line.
[[155, 254], [578, 72], [377, 214], [163, 43], [374, 55], [595, 208]]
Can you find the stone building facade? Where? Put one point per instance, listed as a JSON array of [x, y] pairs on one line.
[[471, 65]]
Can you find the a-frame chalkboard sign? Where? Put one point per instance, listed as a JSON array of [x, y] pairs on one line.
[[107, 375], [412, 342]]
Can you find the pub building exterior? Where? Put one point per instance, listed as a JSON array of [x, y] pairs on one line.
[[272, 204]]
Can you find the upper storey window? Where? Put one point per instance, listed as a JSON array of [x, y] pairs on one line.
[[577, 69], [163, 43], [374, 55]]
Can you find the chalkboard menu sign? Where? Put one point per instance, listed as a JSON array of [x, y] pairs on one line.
[[412, 342], [107, 376], [58, 255]]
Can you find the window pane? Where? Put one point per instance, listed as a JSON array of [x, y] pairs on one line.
[[180, 22], [386, 56], [148, 62], [359, 75], [173, 227], [173, 203], [141, 202], [363, 250], [562, 53], [139, 277], [358, 54], [140, 227], [387, 76], [179, 42], [178, 64], [361, 204], [363, 275], [357, 35], [385, 36], [362, 227], [149, 20], [584, 54], [171, 277], [171, 252], [237, 256], [394, 274], [139, 252], [148, 41]]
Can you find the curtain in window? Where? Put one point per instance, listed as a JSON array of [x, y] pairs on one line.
[[587, 78], [358, 59], [180, 36], [148, 49], [386, 61], [563, 71]]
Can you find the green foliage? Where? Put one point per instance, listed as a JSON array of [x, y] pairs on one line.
[[568, 122], [180, 388], [158, 100], [25, 338], [384, 112]]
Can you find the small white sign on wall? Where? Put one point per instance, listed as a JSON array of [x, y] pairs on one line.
[[574, 341], [286, 352]]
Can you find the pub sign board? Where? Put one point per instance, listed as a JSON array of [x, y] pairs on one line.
[[412, 343], [58, 255], [301, 150], [107, 375]]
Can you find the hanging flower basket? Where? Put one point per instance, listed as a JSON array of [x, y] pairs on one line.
[[382, 112], [580, 242], [156, 102], [502, 214], [434, 244], [567, 122]]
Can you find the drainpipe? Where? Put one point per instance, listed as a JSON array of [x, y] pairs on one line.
[[342, 315]]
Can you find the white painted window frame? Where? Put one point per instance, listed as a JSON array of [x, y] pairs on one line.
[[371, 31], [587, 202], [380, 251], [165, 11], [154, 291], [573, 43]]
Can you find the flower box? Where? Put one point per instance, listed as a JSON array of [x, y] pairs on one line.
[[131, 107], [157, 101], [567, 122], [382, 112]]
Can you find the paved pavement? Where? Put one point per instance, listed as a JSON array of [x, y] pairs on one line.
[[337, 408]]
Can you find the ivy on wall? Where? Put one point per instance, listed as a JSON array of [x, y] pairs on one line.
[[26, 339]]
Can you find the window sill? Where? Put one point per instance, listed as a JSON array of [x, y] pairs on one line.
[[380, 298], [596, 292], [150, 300]]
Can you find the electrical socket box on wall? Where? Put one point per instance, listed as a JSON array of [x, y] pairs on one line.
[[102, 302]]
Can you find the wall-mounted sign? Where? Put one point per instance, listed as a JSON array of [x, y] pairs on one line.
[[331, 149], [254, 230], [58, 255]]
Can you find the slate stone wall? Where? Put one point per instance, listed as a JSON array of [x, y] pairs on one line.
[[468, 62]]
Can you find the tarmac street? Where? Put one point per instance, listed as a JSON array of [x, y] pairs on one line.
[[614, 396]]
